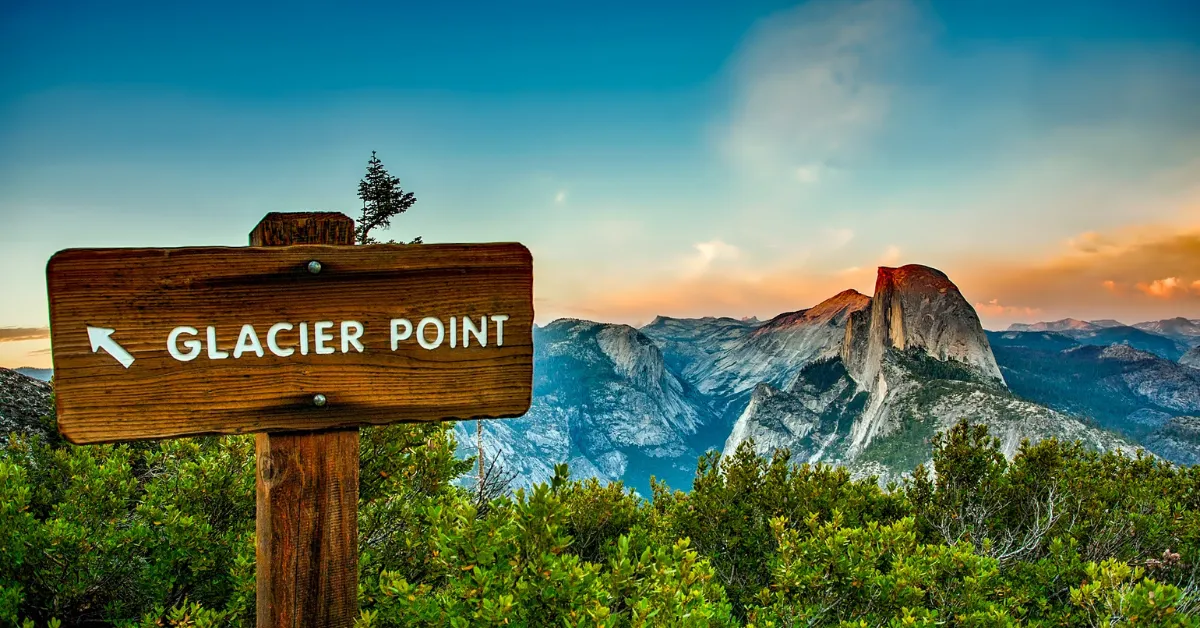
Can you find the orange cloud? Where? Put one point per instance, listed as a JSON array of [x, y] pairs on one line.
[[721, 294], [16, 334], [1135, 273], [1162, 288], [741, 289], [33, 352]]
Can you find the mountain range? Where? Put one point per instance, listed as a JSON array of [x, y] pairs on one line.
[[856, 380], [1169, 338], [38, 374]]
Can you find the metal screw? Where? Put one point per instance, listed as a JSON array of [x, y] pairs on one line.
[[318, 400], [314, 267]]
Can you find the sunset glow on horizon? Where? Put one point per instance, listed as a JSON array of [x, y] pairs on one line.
[[732, 159]]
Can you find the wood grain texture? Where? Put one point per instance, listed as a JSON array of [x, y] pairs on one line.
[[144, 293], [306, 520], [307, 528]]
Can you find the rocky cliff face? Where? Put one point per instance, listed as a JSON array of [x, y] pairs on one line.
[[911, 364], [24, 402], [813, 418], [1158, 381], [776, 351], [605, 401], [887, 433], [859, 381], [724, 359], [1178, 440], [691, 345], [916, 313], [638, 363], [917, 307]]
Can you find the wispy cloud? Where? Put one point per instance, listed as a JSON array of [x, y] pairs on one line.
[[891, 256], [838, 238], [811, 84], [15, 334], [707, 253], [560, 197], [808, 174]]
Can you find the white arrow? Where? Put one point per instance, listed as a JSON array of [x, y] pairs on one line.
[[101, 338]]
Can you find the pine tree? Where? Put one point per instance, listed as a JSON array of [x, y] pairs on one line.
[[382, 199]]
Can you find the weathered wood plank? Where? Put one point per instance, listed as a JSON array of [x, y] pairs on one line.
[[144, 294], [307, 528], [307, 490]]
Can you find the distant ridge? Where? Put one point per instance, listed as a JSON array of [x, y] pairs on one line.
[[1169, 338], [1066, 324], [1178, 328], [38, 374]]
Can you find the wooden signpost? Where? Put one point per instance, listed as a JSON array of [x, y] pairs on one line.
[[301, 338]]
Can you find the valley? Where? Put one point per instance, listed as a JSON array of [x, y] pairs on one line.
[[859, 381]]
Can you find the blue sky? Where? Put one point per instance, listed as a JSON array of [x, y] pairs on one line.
[[735, 158]]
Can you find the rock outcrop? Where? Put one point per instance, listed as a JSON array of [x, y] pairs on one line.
[[1177, 440], [917, 307], [1157, 381], [1191, 358], [912, 363], [776, 351], [605, 401], [25, 402]]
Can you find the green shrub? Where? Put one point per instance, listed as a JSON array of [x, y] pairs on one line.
[[727, 515], [162, 534]]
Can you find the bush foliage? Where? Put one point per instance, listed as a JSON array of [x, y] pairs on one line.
[[162, 534]]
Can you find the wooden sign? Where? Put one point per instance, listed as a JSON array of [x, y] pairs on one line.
[[153, 343]]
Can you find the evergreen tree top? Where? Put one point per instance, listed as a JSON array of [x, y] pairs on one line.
[[382, 198]]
